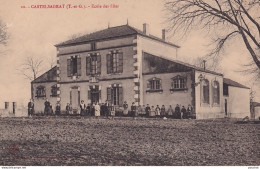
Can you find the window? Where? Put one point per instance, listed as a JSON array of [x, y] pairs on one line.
[[215, 89], [93, 64], [93, 46], [40, 91], [178, 83], [54, 90], [154, 85], [205, 91], [115, 62], [225, 89], [74, 66], [115, 95]]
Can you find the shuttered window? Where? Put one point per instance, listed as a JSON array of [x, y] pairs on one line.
[[115, 62], [74, 66], [93, 64], [115, 95]]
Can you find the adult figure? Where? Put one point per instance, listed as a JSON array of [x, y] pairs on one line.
[[125, 111], [47, 105], [157, 111], [163, 111], [152, 112], [57, 109], [189, 111], [51, 110], [147, 110], [112, 111], [177, 112], [184, 113], [133, 110], [88, 110], [102, 109], [106, 109], [30, 108], [67, 109], [170, 111], [92, 109], [82, 108], [97, 110]]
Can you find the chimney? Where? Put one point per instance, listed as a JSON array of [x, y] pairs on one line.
[[146, 28], [163, 34]]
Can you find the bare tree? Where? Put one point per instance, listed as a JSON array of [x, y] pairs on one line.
[[225, 18], [31, 68], [52, 61]]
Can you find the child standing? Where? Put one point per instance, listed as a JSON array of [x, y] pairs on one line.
[[157, 111]]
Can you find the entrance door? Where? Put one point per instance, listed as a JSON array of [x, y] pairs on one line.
[[74, 96], [226, 107], [94, 95]]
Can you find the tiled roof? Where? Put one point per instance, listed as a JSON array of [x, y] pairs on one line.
[[192, 66], [112, 32], [230, 82], [49, 76]]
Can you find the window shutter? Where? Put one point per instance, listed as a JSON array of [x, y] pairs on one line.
[[88, 65], [98, 64], [69, 67], [109, 95], [120, 68], [89, 95], [160, 83], [79, 66], [108, 63], [121, 96]]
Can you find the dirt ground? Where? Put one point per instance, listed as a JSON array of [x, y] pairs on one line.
[[124, 141]]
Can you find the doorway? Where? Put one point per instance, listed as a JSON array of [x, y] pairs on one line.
[[94, 94], [74, 98]]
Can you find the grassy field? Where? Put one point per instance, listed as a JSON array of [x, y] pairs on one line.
[[88, 141]]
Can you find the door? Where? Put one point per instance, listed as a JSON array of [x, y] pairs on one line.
[[74, 99], [94, 95], [225, 107]]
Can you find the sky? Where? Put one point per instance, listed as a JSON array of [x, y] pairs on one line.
[[35, 31]]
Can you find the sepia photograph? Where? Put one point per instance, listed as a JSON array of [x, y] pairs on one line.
[[130, 83]]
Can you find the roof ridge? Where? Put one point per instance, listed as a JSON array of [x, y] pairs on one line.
[[94, 32]]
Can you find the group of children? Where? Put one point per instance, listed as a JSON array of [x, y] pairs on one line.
[[151, 111]]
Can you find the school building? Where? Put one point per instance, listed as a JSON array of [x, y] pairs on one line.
[[123, 63]]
